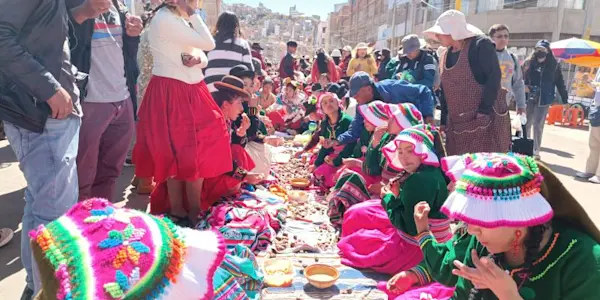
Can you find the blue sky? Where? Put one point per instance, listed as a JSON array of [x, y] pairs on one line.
[[307, 7]]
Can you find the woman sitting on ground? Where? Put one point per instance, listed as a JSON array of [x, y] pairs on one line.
[[229, 98], [380, 234], [362, 180], [329, 159], [526, 237]]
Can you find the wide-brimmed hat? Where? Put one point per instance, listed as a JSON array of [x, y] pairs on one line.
[[422, 138], [257, 46], [375, 113], [452, 22], [347, 48], [406, 115], [362, 46], [99, 251], [336, 53], [241, 71], [496, 190], [232, 84], [411, 43]]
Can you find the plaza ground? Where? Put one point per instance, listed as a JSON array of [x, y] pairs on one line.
[[564, 151]]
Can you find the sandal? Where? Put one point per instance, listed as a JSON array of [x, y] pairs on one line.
[[180, 221], [6, 234]]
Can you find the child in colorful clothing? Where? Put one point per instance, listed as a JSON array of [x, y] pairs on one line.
[[526, 237], [380, 234], [329, 158], [99, 251], [362, 179]]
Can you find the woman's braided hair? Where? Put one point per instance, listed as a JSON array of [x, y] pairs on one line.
[[532, 245]]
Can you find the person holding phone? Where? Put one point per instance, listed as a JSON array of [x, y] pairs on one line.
[[179, 108]]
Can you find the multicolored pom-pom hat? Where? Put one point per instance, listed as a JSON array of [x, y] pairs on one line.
[[406, 115], [422, 138], [374, 113], [99, 251], [496, 190]]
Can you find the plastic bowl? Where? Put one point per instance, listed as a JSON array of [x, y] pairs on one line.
[[321, 276], [300, 183]]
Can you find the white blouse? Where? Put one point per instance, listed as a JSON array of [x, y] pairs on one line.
[[169, 36]]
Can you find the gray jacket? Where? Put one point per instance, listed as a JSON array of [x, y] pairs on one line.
[[34, 55]]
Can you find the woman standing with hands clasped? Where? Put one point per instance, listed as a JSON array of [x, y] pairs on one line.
[[178, 108], [526, 237]]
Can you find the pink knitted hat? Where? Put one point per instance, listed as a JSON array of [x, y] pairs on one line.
[[421, 137], [406, 115], [496, 190], [375, 113], [99, 251]]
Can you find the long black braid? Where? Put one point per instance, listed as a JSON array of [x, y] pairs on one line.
[[532, 245]]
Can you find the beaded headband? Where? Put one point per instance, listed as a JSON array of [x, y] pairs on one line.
[[495, 190]]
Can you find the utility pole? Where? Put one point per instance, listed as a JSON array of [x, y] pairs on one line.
[[560, 12], [425, 16], [587, 27], [412, 15], [394, 25]]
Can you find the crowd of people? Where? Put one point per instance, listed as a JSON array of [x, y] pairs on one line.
[[88, 88]]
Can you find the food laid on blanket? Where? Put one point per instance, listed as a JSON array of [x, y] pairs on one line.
[[279, 273], [300, 183], [302, 236]]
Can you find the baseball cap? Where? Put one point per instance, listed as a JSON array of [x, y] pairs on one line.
[[410, 43], [359, 80]]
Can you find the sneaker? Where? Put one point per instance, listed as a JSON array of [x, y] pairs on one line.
[[27, 294], [584, 175], [594, 179], [6, 234], [128, 163]]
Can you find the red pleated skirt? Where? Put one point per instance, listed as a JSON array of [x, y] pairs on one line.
[[212, 190], [181, 133]]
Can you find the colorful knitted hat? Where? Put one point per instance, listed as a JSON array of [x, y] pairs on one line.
[[422, 138], [496, 190], [406, 114], [375, 113], [99, 251]]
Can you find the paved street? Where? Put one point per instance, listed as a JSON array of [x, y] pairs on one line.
[[564, 150]]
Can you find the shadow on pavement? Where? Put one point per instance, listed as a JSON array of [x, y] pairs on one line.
[[126, 192], [7, 155], [567, 171], [557, 152], [10, 217]]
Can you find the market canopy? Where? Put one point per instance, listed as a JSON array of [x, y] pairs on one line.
[[575, 48]]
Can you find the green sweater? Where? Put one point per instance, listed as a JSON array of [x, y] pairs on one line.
[[375, 161], [332, 132], [569, 270], [363, 141], [427, 184]]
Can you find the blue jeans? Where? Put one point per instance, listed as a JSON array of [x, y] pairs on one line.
[[48, 162]]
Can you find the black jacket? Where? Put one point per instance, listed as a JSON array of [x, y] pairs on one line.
[[32, 36], [80, 36]]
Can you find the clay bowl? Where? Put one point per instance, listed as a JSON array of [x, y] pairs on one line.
[[300, 183], [321, 276]]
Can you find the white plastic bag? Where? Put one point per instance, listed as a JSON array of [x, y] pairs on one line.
[[262, 157]]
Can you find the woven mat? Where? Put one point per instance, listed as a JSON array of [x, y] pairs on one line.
[[353, 283]]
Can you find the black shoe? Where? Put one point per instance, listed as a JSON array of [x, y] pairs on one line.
[[27, 294]]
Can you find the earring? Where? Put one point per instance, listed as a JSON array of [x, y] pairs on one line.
[[516, 246]]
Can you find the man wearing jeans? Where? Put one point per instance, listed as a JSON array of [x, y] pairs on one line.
[[39, 104], [107, 45]]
